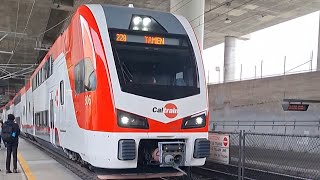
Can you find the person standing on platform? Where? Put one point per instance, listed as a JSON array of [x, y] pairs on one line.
[[10, 135]]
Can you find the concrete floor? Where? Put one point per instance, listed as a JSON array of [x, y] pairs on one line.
[[35, 164], [12, 176]]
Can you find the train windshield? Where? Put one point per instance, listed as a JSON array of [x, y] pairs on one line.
[[156, 70]]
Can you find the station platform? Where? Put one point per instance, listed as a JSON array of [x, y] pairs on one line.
[[34, 164]]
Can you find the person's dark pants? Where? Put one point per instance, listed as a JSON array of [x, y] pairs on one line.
[[11, 148]]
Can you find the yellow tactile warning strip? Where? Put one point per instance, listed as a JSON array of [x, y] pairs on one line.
[[25, 167]]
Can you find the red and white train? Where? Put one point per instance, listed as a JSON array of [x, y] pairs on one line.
[[121, 88]]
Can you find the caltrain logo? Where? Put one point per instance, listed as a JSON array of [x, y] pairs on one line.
[[170, 110]]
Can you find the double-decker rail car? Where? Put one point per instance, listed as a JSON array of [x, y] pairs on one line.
[[121, 88]]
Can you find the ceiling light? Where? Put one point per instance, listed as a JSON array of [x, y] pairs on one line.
[[137, 20], [144, 29], [146, 21], [227, 21]]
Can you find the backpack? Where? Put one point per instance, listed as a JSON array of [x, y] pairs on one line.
[[6, 134]]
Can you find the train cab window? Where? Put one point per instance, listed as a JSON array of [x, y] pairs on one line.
[[85, 77], [78, 77], [92, 81], [89, 76], [61, 92], [160, 72]]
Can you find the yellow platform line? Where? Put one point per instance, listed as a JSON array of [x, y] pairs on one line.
[[25, 167]]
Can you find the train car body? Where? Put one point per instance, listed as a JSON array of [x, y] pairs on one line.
[[120, 88]]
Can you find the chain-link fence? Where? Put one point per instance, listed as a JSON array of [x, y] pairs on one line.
[[258, 70], [295, 156]]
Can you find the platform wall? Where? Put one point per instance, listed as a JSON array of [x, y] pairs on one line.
[[259, 102]]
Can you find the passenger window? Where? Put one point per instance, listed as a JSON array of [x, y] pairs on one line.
[[50, 66], [61, 92]]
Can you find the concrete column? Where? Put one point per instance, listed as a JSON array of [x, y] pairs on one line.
[[193, 10], [230, 45]]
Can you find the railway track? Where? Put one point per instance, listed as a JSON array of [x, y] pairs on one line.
[[211, 171], [216, 171], [77, 169], [199, 173]]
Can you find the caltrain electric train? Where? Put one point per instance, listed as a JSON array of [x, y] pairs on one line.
[[121, 88]]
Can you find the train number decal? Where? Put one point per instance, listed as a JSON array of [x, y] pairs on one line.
[[87, 100]]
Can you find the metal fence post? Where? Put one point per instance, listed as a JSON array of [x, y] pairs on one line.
[[241, 72], [243, 153], [284, 65], [255, 72], [240, 155], [311, 58], [261, 68]]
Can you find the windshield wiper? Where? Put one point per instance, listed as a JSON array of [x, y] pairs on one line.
[[125, 72]]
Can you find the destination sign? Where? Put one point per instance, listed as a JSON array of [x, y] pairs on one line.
[[146, 39], [295, 107]]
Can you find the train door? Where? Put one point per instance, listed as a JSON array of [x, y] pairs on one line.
[[25, 111], [52, 115], [60, 124], [57, 108]]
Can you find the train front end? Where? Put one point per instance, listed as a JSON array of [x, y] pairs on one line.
[[158, 88]]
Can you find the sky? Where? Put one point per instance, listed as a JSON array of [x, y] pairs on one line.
[[294, 42]]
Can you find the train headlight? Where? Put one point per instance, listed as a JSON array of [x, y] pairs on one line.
[[128, 120], [124, 120], [135, 28], [199, 120], [146, 21], [137, 20], [194, 122]]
